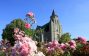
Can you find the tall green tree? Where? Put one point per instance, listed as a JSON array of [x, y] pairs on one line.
[[65, 38], [8, 31]]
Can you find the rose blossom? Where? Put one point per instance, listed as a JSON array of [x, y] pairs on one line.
[[72, 42], [23, 45], [55, 42], [62, 45], [27, 25], [72, 47], [30, 14], [24, 50], [82, 40]]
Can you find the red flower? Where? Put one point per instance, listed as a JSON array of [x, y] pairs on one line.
[[27, 25]]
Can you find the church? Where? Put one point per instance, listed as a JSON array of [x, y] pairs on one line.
[[51, 30]]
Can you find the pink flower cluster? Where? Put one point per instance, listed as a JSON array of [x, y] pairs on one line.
[[24, 45], [82, 40], [63, 46], [72, 44], [54, 44], [51, 46]]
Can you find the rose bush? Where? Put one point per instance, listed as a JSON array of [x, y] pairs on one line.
[[25, 46]]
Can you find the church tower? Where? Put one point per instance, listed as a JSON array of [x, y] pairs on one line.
[[55, 27], [51, 30]]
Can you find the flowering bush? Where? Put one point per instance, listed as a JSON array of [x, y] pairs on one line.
[[82, 48], [54, 48], [82, 40], [71, 48], [25, 46], [84, 51]]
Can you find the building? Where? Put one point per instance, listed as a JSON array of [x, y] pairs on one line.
[[51, 30]]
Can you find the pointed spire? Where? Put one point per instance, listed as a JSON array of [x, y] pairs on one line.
[[52, 17], [53, 13]]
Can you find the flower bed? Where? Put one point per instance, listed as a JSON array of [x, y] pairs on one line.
[[25, 46]]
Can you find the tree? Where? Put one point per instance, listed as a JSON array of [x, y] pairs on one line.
[[65, 38], [8, 31]]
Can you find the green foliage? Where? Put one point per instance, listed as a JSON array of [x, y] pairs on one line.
[[2, 53], [65, 38], [8, 31], [79, 45], [82, 51], [67, 54]]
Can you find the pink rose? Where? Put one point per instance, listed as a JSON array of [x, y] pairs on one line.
[[55, 42], [62, 45], [30, 14], [82, 40], [50, 49], [72, 42], [72, 47], [27, 25], [24, 49]]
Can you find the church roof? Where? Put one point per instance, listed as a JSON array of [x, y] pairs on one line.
[[45, 27]]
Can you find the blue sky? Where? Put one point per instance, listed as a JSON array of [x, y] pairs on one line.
[[73, 14]]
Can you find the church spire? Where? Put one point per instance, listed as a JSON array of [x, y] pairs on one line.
[[53, 13]]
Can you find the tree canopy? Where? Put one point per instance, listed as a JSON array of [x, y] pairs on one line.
[[65, 38], [8, 31]]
